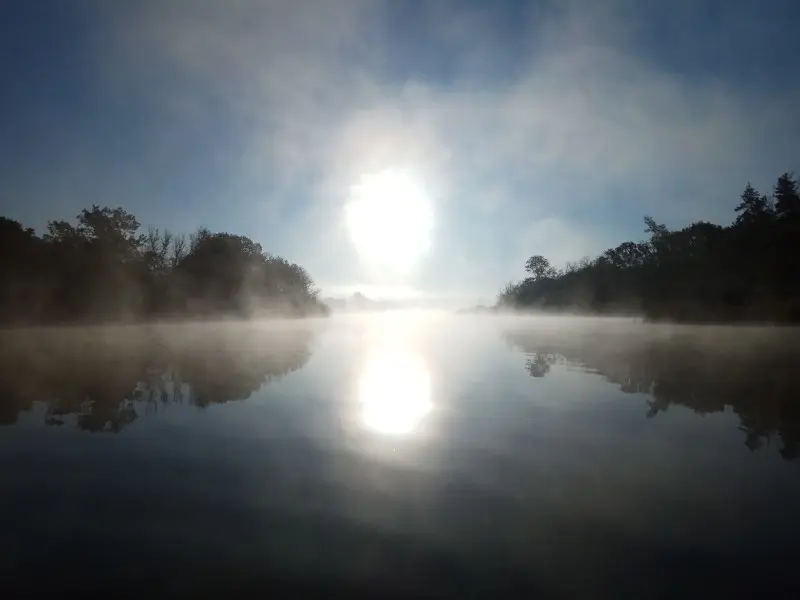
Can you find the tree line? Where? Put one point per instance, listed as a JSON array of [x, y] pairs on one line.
[[746, 271], [104, 267]]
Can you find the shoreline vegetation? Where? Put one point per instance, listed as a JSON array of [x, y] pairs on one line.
[[104, 269], [748, 271]]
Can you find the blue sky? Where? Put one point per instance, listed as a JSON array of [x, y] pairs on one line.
[[536, 127]]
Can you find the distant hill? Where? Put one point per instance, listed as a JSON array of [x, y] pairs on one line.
[[477, 310], [358, 302]]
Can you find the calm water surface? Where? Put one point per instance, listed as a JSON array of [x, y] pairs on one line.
[[402, 454]]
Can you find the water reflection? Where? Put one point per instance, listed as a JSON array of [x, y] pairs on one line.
[[751, 371], [538, 365], [394, 391], [498, 481], [102, 378]]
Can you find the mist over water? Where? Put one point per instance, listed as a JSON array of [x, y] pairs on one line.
[[403, 452]]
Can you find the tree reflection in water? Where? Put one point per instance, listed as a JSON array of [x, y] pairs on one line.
[[100, 376], [751, 370]]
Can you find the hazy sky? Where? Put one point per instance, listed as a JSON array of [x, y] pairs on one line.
[[535, 127]]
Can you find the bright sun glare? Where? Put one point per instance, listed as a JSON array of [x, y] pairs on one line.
[[395, 393], [389, 217]]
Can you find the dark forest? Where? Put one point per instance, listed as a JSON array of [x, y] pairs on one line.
[[104, 268], [746, 271]]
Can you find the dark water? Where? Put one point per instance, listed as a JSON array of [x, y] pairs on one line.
[[402, 455]]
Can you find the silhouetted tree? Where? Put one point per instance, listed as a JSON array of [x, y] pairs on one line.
[[754, 208], [628, 255], [787, 198], [539, 268], [21, 265], [114, 230], [657, 231]]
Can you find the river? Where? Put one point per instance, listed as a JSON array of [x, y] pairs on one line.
[[401, 454]]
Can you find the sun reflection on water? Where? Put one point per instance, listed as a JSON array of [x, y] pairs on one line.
[[395, 392]]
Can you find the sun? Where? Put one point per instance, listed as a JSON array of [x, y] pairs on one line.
[[389, 218]]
